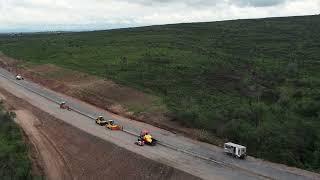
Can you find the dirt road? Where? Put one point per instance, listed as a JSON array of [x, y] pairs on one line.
[[54, 165], [212, 168], [68, 153]]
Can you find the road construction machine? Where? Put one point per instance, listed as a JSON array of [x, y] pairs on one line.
[[112, 126], [63, 105], [101, 121], [145, 138], [19, 77]]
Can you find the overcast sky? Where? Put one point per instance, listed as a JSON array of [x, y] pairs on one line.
[[47, 15]]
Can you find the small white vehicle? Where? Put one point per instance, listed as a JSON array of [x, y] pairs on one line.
[[19, 77], [235, 150]]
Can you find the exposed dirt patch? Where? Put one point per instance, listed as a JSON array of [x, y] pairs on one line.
[[33, 152], [103, 93], [2, 97], [120, 100], [54, 164], [75, 154]]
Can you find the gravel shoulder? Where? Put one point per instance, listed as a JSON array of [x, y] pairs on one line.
[[66, 152]]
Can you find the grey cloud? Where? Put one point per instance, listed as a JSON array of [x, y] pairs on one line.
[[252, 3], [258, 3], [186, 2], [104, 14]]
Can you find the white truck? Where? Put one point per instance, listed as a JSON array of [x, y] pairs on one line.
[[235, 150], [19, 77]]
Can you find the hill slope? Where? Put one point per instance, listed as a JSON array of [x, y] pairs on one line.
[[255, 82]]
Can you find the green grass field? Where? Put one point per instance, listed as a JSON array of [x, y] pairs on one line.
[[14, 159], [254, 82]]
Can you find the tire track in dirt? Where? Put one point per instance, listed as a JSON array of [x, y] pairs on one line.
[[68, 169], [54, 164]]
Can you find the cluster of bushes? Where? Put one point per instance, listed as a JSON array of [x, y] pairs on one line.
[[14, 160]]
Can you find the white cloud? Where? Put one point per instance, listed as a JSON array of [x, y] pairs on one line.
[[103, 14]]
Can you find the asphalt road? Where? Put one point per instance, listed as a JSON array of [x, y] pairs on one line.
[[200, 159]]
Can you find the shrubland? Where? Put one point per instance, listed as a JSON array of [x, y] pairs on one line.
[[254, 82]]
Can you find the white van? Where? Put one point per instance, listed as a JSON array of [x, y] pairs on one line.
[[235, 150], [19, 77]]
